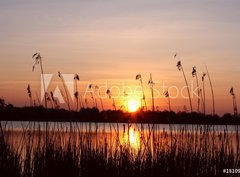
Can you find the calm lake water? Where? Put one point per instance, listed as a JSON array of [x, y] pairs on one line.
[[85, 126], [115, 136]]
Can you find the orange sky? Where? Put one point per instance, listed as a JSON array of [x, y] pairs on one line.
[[115, 40]]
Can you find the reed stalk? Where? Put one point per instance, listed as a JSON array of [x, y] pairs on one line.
[[139, 77], [180, 68], [194, 74], [213, 99], [38, 60], [151, 83]]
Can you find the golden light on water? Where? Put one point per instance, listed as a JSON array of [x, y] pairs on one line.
[[132, 138], [133, 105]]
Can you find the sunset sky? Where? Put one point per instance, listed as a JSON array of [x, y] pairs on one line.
[[114, 40]]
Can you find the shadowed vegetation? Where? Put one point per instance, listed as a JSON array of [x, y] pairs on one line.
[[10, 113], [87, 150]]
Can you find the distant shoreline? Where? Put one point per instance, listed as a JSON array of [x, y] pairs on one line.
[[94, 115]]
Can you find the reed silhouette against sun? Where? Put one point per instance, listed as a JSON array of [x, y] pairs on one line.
[[151, 84], [38, 60], [166, 94], [194, 74], [76, 93], [108, 92], [48, 97], [212, 92], [139, 77], [91, 87], [180, 68], [29, 95], [235, 111], [204, 94], [54, 100]]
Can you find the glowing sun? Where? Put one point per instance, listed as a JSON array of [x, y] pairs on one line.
[[133, 105]]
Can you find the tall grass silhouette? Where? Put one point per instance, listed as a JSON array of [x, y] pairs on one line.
[[91, 87], [139, 77], [204, 94], [166, 94], [29, 95], [76, 93], [108, 92], [235, 111], [93, 150], [54, 100], [38, 60], [194, 74], [212, 92], [48, 97], [151, 84], [180, 68]]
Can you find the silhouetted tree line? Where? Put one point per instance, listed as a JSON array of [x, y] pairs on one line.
[[10, 113]]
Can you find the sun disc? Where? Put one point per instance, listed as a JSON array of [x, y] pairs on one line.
[[133, 105]]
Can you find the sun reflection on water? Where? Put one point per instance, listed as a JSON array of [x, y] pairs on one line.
[[132, 137]]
